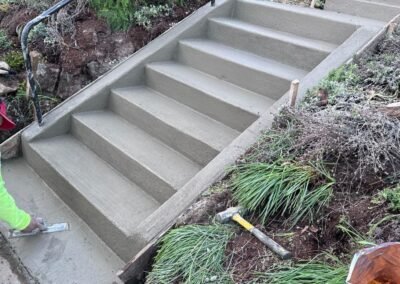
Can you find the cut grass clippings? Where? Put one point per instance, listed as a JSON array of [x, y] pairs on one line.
[[281, 188], [192, 254]]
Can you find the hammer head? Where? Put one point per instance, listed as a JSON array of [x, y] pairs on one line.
[[226, 216]]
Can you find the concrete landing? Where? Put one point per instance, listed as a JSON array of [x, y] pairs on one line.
[[77, 256]]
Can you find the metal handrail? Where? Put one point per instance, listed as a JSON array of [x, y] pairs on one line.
[[212, 3], [28, 64]]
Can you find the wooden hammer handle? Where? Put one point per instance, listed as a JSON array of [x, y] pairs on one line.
[[270, 243]]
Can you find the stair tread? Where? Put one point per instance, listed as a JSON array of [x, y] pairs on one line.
[[121, 201], [217, 88], [248, 59], [160, 159], [183, 118], [280, 35], [33, 195]]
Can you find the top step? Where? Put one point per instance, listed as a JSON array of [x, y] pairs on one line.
[[294, 20], [383, 10], [301, 52]]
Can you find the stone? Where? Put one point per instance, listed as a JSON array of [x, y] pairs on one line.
[[6, 89], [69, 84], [47, 76], [96, 69], [4, 65]]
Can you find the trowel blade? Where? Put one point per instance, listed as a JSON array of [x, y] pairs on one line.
[[60, 227]]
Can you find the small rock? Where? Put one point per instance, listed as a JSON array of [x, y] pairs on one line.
[[6, 90], [47, 76], [96, 69], [69, 84], [392, 110], [4, 65]]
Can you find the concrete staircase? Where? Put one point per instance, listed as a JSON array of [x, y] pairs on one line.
[[381, 10], [113, 159]]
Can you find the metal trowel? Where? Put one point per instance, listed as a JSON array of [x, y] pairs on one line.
[[46, 229]]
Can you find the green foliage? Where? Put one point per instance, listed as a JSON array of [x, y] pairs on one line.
[[332, 271], [282, 188], [15, 59], [5, 42], [118, 13], [121, 14], [391, 196], [273, 144], [145, 14], [192, 254], [339, 81], [345, 227]]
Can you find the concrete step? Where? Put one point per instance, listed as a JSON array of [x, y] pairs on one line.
[[299, 21], [388, 2], [76, 256], [223, 101], [377, 10], [148, 162], [112, 205], [291, 49], [195, 135], [264, 76]]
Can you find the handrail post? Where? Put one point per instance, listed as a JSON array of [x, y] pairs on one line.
[[25, 50]]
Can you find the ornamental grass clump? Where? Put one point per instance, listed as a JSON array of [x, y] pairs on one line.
[[286, 189], [313, 272], [192, 254]]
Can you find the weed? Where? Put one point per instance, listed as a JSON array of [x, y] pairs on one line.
[[391, 196], [345, 227], [282, 188], [192, 254], [273, 144], [332, 271], [15, 59], [5, 42]]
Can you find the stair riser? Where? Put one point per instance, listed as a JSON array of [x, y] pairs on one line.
[[282, 51], [132, 169], [228, 114], [99, 223], [301, 24], [364, 9], [181, 142], [243, 76]]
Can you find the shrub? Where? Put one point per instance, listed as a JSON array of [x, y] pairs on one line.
[[391, 196], [191, 254], [15, 59], [282, 188], [145, 14], [5, 42]]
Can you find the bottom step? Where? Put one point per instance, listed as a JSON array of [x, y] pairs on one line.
[[76, 256]]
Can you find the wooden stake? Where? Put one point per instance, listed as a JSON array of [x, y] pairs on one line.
[[294, 89], [312, 5], [36, 57]]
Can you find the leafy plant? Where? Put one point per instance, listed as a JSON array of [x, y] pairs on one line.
[[145, 14], [283, 188], [5, 42], [15, 59], [391, 196], [191, 254], [332, 271]]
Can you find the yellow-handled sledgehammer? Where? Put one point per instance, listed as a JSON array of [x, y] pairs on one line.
[[233, 213]]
